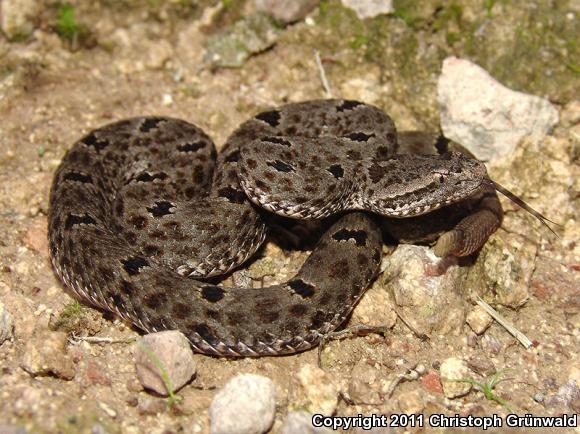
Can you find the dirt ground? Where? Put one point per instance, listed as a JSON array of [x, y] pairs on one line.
[[130, 58]]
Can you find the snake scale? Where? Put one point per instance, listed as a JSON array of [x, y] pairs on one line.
[[142, 209]]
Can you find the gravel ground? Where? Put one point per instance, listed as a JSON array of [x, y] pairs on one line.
[[65, 69]]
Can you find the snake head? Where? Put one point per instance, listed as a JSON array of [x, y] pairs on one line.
[[411, 185]]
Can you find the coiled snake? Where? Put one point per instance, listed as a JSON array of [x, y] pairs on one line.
[[141, 208]]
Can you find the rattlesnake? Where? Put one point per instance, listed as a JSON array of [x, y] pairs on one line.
[[140, 208]]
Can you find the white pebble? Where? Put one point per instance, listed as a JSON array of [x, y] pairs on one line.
[[167, 99], [245, 405], [486, 117]]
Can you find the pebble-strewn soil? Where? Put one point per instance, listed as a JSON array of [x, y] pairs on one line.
[[128, 58]]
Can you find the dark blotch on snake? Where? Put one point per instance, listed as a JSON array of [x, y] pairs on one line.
[[336, 170], [212, 293], [233, 157], [233, 195], [134, 264], [91, 140], [149, 124], [252, 164], [359, 137], [205, 333], [318, 320], [151, 250], [72, 220], [377, 172], [78, 177], [302, 288], [191, 147], [348, 105], [272, 117], [281, 166], [147, 177], [360, 237], [138, 222], [277, 140], [160, 209]]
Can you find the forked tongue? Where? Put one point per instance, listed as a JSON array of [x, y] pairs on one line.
[[515, 199]]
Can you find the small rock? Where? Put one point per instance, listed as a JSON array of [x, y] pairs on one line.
[[453, 369], [482, 365], [319, 391], [248, 36], [299, 422], [45, 354], [369, 8], [287, 11], [491, 344], [478, 319], [6, 324], [172, 351], [431, 302], [486, 117], [18, 18], [411, 402], [245, 405], [432, 382]]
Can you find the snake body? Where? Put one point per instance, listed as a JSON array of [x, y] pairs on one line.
[[141, 208]]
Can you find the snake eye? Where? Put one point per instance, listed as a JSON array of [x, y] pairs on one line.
[[440, 178]]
